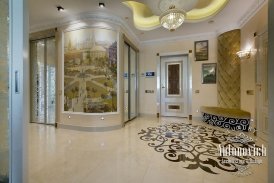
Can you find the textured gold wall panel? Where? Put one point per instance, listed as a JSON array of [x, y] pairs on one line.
[[229, 70]]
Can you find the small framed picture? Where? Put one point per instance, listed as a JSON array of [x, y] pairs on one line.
[[209, 72], [201, 50]]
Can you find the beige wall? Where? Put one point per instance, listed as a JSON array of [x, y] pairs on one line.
[[148, 62], [208, 93], [258, 24]]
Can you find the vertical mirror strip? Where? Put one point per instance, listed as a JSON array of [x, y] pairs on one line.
[[130, 82], [133, 84], [126, 94], [51, 81]]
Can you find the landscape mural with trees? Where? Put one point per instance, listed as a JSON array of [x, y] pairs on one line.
[[90, 70]]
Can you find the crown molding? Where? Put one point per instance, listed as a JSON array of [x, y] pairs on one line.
[[180, 38], [256, 6], [98, 16], [227, 28]]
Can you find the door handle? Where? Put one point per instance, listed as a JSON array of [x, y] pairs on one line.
[[259, 86], [163, 87], [16, 82]]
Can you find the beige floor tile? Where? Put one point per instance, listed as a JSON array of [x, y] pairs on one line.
[[119, 156]]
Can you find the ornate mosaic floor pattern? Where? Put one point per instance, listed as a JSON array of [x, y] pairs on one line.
[[198, 147]]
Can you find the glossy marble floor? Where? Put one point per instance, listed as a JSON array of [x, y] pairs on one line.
[[119, 156]]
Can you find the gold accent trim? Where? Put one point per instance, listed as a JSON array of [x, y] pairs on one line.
[[130, 43], [144, 19]]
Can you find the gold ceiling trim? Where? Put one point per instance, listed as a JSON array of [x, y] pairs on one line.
[[144, 19], [197, 15]]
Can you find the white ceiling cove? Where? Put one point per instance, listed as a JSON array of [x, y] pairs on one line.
[[43, 13]]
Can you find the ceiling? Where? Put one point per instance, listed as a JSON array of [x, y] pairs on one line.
[[43, 13]]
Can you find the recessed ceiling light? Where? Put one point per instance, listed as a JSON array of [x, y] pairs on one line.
[[101, 5], [60, 8]]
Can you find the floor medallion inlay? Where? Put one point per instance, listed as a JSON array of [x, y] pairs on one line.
[[201, 147]]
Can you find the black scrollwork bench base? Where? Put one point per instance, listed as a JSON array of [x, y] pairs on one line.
[[233, 119]]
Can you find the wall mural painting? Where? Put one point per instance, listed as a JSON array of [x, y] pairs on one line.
[[90, 71]]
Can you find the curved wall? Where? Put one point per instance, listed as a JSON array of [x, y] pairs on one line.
[[229, 70], [81, 120]]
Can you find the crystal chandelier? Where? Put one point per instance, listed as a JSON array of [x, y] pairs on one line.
[[172, 18]]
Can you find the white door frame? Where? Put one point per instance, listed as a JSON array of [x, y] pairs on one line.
[[261, 113], [189, 55], [18, 90]]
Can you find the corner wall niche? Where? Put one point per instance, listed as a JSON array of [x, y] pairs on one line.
[[229, 70]]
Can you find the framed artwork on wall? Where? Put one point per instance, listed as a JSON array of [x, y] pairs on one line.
[[90, 71], [209, 73], [201, 50]]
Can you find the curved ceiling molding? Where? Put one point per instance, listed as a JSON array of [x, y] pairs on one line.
[[197, 15], [144, 19]]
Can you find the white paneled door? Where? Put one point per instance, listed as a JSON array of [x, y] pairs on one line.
[[173, 86]]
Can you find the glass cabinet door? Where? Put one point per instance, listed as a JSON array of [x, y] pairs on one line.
[[4, 92], [126, 101], [43, 81], [37, 81], [130, 83], [133, 86], [50, 81]]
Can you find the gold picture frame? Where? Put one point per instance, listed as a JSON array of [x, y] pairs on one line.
[[201, 50]]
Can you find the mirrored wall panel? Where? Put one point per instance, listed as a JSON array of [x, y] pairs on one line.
[[43, 81], [126, 81], [50, 82], [133, 83], [130, 82], [4, 92], [38, 80]]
